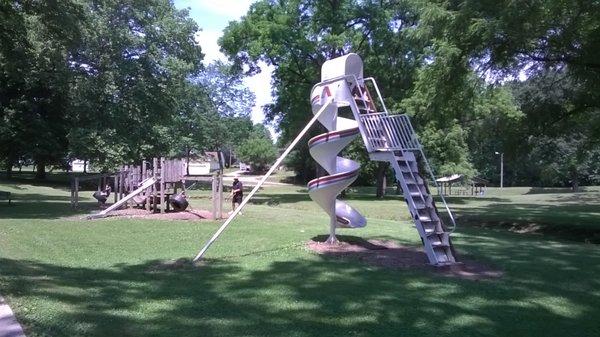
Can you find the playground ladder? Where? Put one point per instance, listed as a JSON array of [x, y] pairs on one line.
[[391, 138]]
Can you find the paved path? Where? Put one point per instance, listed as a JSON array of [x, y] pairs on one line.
[[9, 327]]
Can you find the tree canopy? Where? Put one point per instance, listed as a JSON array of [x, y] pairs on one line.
[[110, 82], [448, 64], [116, 81]]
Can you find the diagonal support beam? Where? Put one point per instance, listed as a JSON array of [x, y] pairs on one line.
[[264, 178]]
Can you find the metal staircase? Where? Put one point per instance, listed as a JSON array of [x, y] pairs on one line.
[[391, 138]]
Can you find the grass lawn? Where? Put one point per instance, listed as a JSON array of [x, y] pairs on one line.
[[64, 276]]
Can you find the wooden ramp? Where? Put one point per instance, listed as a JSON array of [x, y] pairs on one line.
[[144, 185]]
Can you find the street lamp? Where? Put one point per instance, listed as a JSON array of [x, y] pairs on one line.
[[501, 168]]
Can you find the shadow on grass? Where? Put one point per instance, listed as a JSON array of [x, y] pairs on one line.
[[465, 200], [351, 239], [550, 190], [302, 195], [31, 209], [575, 222], [305, 297], [60, 179]]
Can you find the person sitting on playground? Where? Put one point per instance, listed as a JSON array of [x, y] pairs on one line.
[[237, 193]]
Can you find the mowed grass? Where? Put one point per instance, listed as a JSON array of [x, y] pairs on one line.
[[65, 276]]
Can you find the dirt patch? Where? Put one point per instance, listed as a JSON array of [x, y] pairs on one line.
[[389, 254], [142, 213]]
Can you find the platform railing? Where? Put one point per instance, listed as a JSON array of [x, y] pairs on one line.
[[390, 132]]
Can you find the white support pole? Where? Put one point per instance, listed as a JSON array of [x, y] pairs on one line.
[[264, 178]]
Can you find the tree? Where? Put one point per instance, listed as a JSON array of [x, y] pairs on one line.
[[298, 36], [428, 78], [555, 143], [258, 150], [132, 85], [507, 39], [37, 43], [225, 88]]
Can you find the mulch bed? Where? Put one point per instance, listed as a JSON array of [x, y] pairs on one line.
[[389, 254], [195, 214]]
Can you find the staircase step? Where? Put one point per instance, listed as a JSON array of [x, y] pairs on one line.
[[440, 245], [411, 167], [406, 169], [441, 240], [425, 218], [425, 197], [430, 232], [420, 205], [443, 259], [418, 182]]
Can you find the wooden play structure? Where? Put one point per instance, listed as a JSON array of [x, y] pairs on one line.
[[152, 185]]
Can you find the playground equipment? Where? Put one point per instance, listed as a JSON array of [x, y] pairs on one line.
[[152, 185], [179, 202], [387, 137], [143, 185], [101, 196]]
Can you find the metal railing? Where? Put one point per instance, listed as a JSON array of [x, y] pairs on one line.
[[395, 133], [390, 132]]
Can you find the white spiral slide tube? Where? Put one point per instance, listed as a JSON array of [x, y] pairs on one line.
[[324, 190]]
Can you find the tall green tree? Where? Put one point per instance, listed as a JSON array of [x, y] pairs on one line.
[[38, 38], [505, 40], [258, 150], [132, 81], [225, 87], [429, 78]]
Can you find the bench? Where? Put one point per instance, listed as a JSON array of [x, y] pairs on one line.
[[5, 196]]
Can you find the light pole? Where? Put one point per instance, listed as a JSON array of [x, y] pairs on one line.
[[501, 168]]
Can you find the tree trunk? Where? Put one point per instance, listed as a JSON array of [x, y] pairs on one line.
[[381, 179], [85, 166], [40, 172], [9, 166], [574, 181]]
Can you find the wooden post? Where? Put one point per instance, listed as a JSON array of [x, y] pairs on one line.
[[114, 188], [155, 175], [72, 193], [76, 192], [121, 183], [220, 196], [143, 177], [214, 197], [130, 176], [162, 184]]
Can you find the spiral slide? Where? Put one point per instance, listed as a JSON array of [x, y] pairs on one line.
[[342, 171]]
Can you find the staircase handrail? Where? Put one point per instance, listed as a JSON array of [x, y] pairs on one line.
[[419, 147], [430, 170]]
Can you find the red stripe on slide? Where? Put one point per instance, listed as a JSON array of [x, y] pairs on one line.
[[331, 177], [332, 134]]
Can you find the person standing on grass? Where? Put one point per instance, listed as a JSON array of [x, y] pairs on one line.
[[237, 193]]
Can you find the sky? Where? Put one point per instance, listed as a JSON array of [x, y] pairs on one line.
[[212, 17]]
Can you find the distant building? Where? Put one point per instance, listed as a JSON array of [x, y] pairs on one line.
[[77, 165], [206, 164], [245, 167]]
